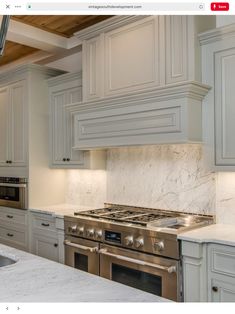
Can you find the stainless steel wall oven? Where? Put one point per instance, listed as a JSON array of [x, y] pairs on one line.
[[13, 192]]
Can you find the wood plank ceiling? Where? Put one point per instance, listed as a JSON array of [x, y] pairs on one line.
[[63, 25]]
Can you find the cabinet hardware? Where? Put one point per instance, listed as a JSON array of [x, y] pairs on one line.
[[55, 245], [9, 161], [9, 216], [68, 159], [215, 289], [10, 234], [45, 225], [64, 159]]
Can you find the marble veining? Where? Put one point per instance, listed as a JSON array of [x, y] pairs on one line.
[[171, 177], [36, 279], [86, 187], [225, 198]]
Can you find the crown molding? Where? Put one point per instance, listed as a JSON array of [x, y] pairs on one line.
[[107, 25], [217, 34], [187, 90], [65, 78]]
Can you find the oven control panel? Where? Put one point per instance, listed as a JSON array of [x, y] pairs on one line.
[[137, 240]]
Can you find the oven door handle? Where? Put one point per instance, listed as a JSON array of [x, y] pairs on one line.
[[14, 185], [82, 247], [170, 269]]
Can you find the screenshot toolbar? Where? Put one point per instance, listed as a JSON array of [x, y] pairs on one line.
[[35, 7]]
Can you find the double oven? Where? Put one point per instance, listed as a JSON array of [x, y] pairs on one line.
[[103, 250]]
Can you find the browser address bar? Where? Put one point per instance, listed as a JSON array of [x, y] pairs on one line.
[[116, 6]]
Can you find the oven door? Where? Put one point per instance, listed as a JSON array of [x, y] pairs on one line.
[[13, 195], [82, 254], [149, 273]]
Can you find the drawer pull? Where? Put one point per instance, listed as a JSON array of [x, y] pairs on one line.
[[9, 216], [45, 225], [10, 234], [215, 289], [55, 245]]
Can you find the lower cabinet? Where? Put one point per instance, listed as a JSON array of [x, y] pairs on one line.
[[14, 228], [208, 272], [221, 273], [46, 236], [45, 246]]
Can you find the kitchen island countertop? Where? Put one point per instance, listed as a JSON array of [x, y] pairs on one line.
[[36, 279]]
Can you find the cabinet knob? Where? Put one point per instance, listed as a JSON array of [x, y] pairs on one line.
[[68, 159], [215, 289], [55, 245], [64, 159], [10, 216], [10, 234], [9, 161]]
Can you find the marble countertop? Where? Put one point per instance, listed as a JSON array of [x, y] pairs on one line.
[[60, 210], [36, 279], [217, 233]]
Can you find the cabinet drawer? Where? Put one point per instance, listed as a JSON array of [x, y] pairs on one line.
[[222, 259], [43, 222], [13, 216], [12, 236]]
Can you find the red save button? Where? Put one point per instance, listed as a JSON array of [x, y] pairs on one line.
[[219, 6]]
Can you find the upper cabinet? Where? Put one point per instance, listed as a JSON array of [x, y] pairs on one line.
[[218, 64], [13, 148], [66, 90], [22, 93], [141, 82]]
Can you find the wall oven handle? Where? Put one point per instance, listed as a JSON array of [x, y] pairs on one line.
[[170, 269], [14, 185], [82, 247]]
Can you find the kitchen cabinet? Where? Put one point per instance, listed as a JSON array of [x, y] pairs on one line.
[[208, 272], [47, 236], [221, 273], [13, 151], [22, 96], [14, 228], [65, 91], [218, 64]]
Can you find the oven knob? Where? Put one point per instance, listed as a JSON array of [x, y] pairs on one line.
[[80, 230], [128, 240], [139, 242], [90, 232], [98, 234], [159, 245], [73, 229]]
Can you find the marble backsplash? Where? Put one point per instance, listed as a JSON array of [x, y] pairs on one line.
[[171, 177], [86, 187]]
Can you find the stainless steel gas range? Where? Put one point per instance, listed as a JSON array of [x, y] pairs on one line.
[[131, 245]]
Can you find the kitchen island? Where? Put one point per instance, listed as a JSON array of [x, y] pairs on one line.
[[36, 279]]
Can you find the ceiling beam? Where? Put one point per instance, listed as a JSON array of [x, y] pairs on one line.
[[34, 37]]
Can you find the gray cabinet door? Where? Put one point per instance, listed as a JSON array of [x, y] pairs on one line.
[[222, 291], [45, 246], [225, 107]]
